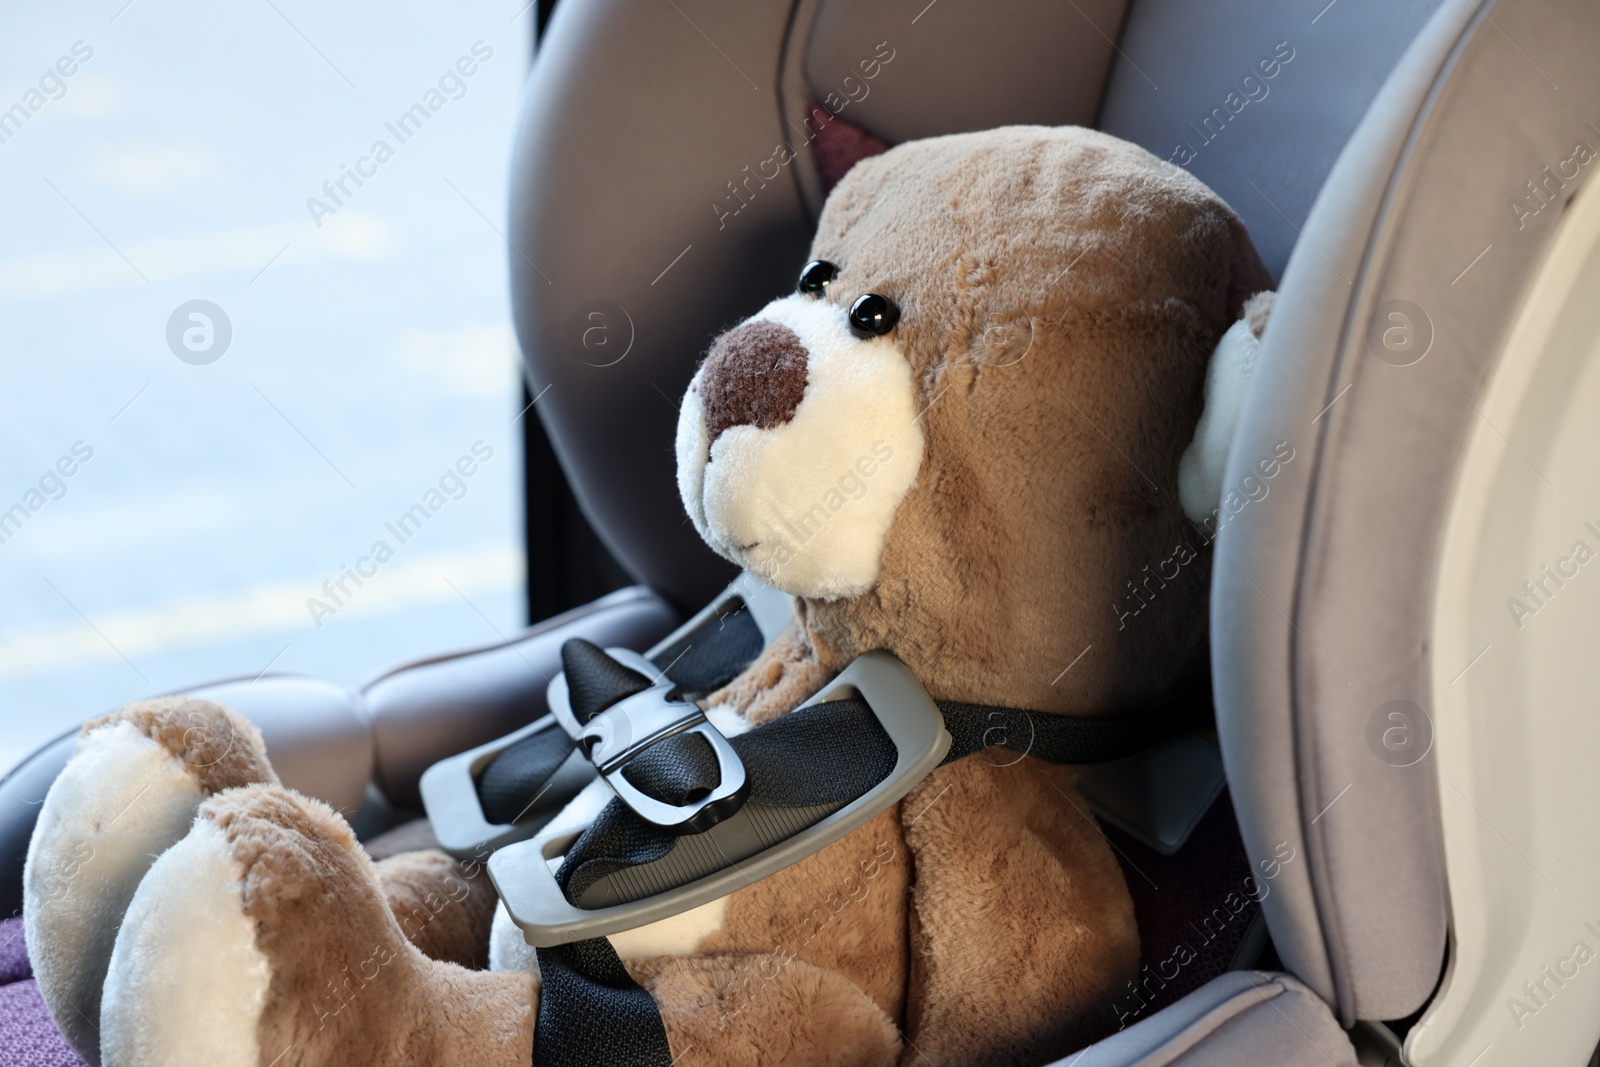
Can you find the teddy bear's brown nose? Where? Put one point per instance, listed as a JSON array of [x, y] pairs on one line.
[[755, 376]]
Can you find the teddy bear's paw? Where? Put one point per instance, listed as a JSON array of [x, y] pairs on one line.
[[129, 793], [187, 981], [264, 939]]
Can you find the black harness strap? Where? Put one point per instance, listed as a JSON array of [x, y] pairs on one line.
[[591, 1012], [809, 764], [1060, 739], [801, 767]]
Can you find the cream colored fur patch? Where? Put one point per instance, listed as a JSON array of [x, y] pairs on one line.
[[681, 935], [1205, 461], [120, 802], [187, 984], [807, 505]]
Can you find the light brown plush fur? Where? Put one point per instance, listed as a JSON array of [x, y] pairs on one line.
[[786, 673], [808, 968], [1060, 292], [807, 1016], [411, 871], [1022, 930], [850, 919], [417, 885], [347, 986], [1050, 476]]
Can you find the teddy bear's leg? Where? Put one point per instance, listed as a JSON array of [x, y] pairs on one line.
[[1022, 929], [263, 939], [769, 1010], [130, 792]]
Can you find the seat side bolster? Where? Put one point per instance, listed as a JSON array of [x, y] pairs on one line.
[[1241, 1017], [317, 735], [425, 711], [1289, 736]]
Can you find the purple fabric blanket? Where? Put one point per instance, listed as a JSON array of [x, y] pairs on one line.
[[28, 1038]]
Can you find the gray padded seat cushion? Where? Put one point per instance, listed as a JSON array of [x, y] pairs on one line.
[[1039, 64], [1180, 60], [1246, 1017]]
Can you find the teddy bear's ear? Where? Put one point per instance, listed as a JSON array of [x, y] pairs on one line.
[[1201, 469]]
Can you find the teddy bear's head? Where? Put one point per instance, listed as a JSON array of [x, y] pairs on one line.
[[959, 439]]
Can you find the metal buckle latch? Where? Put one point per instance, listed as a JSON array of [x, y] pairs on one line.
[[632, 726]]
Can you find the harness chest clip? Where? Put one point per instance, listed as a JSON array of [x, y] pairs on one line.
[[525, 873], [632, 727]]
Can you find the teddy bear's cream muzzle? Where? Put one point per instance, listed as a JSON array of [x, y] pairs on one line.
[[796, 443]]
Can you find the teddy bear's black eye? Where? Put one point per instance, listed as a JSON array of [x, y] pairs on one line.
[[815, 276], [873, 316]]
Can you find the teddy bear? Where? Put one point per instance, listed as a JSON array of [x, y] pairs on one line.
[[1002, 387]]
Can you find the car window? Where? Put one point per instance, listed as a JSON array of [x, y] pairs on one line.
[[259, 380]]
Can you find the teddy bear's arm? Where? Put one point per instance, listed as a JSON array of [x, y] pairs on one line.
[[786, 673], [1022, 929]]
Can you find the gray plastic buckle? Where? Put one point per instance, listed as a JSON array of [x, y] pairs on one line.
[[450, 787], [524, 874], [450, 796], [631, 726]]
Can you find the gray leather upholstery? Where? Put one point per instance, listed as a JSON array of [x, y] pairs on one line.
[[962, 66], [1246, 1017], [650, 131], [424, 711], [1180, 61], [316, 733], [1320, 608]]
